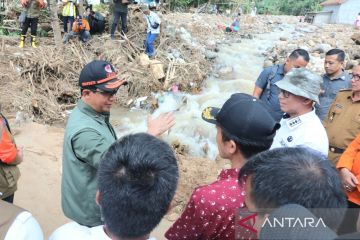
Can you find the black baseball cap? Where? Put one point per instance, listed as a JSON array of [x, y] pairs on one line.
[[101, 75], [243, 117]]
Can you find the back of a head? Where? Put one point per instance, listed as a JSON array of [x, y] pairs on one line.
[[137, 180], [245, 120], [300, 53], [340, 54], [295, 175]]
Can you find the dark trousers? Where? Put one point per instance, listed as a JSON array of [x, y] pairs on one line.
[[117, 16], [32, 23], [9, 199], [66, 20], [348, 224]]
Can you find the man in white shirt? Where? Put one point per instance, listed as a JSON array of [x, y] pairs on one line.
[[18, 224], [137, 179], [153, 29], [300, 126]]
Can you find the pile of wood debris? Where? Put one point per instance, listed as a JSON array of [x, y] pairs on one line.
[[43, 82]]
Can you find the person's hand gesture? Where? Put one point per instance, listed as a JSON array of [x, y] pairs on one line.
[[24, 3], [349, 180], [159, 125], [42, 4]]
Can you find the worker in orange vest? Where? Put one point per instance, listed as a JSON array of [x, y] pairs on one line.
[[349, 169], [80, 28], [10, 157]]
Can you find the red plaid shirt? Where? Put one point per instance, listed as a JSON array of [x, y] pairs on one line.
[[210, 213]]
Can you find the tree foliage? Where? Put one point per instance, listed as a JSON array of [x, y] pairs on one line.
[[274, 7], [287, 7]]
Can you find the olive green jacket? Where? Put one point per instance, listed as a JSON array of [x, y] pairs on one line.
[[119, 7], [33, 9], [88, 134]]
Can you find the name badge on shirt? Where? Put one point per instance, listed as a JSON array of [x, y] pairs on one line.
[[292, 123]]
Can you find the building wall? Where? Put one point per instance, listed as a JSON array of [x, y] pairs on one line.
[[335, 15], [348, 11], [322, 17]]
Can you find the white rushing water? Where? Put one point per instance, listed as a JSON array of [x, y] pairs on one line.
[[244, 57]]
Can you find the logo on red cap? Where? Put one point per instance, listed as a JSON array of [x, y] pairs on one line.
[[108, 69]]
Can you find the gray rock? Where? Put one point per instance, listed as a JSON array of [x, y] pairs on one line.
[[292, 47], [210, 43], [350, 64], [283, 39], [210, 54], [304, 47], [322, 48], [225, 70], [311, 43], [305, 30]]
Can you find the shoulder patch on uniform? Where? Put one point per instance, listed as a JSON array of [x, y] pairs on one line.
[[338, 105]]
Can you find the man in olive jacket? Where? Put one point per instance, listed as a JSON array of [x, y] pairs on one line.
[[88, 134]]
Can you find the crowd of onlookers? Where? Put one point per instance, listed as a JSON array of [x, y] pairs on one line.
[[293, 146]]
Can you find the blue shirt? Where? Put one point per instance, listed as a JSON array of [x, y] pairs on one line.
[[331, 88], [269, 95]]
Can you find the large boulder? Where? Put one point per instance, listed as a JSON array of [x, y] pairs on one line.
[[356, 38], [322, 48], [225, 70], [210, 54]]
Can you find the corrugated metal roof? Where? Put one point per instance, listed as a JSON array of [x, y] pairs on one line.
[[332, 2]]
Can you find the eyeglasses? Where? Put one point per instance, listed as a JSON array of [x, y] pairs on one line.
[[285, 93], [106, 93], [356, 77]]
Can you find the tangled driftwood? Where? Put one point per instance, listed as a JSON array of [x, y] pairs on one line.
[[46, 78]]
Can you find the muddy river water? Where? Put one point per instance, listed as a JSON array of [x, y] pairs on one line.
[[244, 57]]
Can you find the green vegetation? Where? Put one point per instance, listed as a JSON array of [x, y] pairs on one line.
[[288, 7], [274, 7]]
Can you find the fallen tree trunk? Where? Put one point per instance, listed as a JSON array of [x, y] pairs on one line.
[[53, 7]]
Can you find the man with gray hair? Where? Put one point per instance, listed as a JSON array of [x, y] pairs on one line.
[[298, 92]]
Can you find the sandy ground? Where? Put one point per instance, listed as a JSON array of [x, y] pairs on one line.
[[39, 185]]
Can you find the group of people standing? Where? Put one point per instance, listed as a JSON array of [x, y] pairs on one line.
[[293, 146], [75, 25], [121, 188], [322, 113]]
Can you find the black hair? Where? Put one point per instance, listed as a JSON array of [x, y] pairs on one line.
[[296, 175], [247, 148], [340, 54], [137, 176], [300, 53]]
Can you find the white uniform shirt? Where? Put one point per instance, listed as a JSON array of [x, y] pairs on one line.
[[305, 130], [73, 230], [24, 227], [151, 19]]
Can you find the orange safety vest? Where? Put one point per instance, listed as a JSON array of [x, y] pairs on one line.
[[8, 149]]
